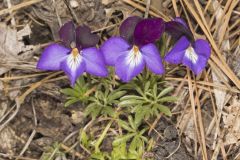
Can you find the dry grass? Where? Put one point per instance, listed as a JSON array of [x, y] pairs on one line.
[[219, 27]]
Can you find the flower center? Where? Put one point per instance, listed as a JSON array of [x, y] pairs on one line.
[[191, 55], [74, 59], [134, 57], [75, 52], [135, 50]]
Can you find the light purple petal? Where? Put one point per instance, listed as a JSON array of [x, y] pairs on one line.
[[67, 33], [73, 68], [52, 57], [94, 61], [127, 69], [128, 26], [85, 38], [196, 67], [113, 48], [176, 54], [202, 47], [148, 31], [152, 58]]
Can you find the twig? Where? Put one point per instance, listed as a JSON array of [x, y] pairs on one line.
[[57, 14], [200, 122], [154, 124], [33, 132], [66, 148], [141, 8], [193, 108], [12, 156], [12, 116], [154, 130], [179, 144], [19, 6], [9, 111], [13, 22], [147, 8], [70, 135], [72, 12], [19, 100], [175, 8]]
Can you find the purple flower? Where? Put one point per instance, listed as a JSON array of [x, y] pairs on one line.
[[193, 54], [178, 28], [135, 47], [76, 55]]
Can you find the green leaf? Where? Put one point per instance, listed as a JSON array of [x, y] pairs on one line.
[[71, 101], [108, 110], [165, 91], [98, 156], [92, 109], [143, 131], [146, 86], [155, 90], [168, 99], [119, 152], [84, 138], [130, 120], [131, 97], [124, 138], [139, 90], [164, 109], [133, 155], [106, 92], [142, 112], [133, 145], [70, 92], [130, 102], [116, 95], [139, 116], [125, 125]]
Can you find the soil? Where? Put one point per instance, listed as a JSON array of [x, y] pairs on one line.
[[171, 145]]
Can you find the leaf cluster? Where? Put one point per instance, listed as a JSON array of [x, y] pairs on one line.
[[127, 106]]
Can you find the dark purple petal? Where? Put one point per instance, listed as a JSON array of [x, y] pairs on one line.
[[52, 57], [94, 61], [85, 38], [113, 48], [148, 31], [73, 68], [178, 29], [180, 20], [202, 47], [152, 58], [128, 67], [127, 28], [176, 54], [196, 67], [67, 33]]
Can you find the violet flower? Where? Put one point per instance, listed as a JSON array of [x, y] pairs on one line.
[[77, 54], [193, 54], [135, 47]]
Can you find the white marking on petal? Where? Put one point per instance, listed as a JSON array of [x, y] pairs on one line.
[[73, 61], [191, 55], [134, 57]]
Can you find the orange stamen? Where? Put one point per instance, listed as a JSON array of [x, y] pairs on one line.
[[75, 52], [135, 50]]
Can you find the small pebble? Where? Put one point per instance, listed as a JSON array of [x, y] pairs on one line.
[[74, 3]]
